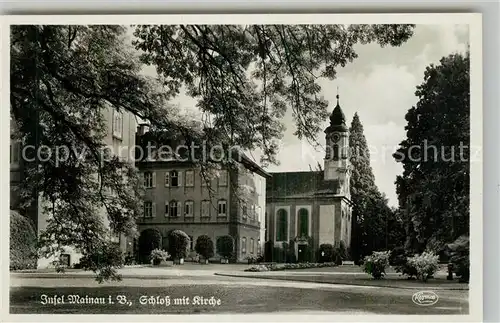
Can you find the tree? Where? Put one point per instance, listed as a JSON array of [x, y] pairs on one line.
[[225, 246], [244, 78], [204, 247], [433, 190], [178, 242], [23, 252], [370, 213], [149, 240]]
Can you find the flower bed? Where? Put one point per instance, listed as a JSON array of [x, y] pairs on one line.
[[277, 267]]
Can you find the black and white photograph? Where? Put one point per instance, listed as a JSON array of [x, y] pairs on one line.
[[319, 165]]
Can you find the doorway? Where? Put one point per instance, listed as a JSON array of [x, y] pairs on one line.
[[302, 253]]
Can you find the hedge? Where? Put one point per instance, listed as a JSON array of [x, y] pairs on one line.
[[23, 243]]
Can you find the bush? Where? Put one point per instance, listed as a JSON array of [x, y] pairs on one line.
[[376, 263], [278, 267], [149, 240], [279, 255], [204, 247], [225, 246], [326, 253], [158, 255], [459, 252], [23, 243], [425, 264], [399, 260], [178, 242]]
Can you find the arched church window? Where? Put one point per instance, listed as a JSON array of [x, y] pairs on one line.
[[303, 223], [281, 225], [336, 150]]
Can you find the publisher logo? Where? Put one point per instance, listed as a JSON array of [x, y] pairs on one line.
[[425, 298]]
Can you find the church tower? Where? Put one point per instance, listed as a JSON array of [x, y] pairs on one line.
[[337, 163]]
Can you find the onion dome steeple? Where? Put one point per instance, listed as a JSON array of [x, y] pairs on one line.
[[337, 119]]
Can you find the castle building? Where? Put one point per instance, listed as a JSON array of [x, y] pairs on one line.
[[179, 197], [309, 208], [120, 138]]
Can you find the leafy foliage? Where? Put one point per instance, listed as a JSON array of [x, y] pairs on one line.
[[204, 246], [23, 243], [460, 252], [399, 260], [326, 253], [225, 246], [376, 263], [105, 258], [425, 264], [158, 255], [433, 190], [178, 242], [149, 240], [245, 76]]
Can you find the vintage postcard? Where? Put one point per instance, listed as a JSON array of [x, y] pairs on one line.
[[233, 167]]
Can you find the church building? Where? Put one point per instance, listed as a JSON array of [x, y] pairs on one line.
[[309, 208]]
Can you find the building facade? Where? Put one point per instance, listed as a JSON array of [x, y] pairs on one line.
[[179, 197], [120, 139], [311, 208]]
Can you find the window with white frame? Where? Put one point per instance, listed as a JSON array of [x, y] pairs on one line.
[[148, 209], [252, 246], [259, 248], [222, 208], [205, 208], [174, 178], [117, 124], [188, 208], [148, 179], [175, 209], [243, 245], [190, 178], [223, 178]]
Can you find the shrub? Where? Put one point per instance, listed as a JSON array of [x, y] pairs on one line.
[[459, 252], [178, 242], [149, 240], [279, 255], [326, 253], [23, 243], [425, 264], [278, 267], [158, 255], [225, 246], [204, 247], [376, 263], [399, 260]]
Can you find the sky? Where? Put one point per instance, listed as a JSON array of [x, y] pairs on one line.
[[380, 86]]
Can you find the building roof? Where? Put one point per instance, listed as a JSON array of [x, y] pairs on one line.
[[337, 119], [174, 157], [305, 184]]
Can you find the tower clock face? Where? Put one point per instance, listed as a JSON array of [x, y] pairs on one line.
[[335, 137]]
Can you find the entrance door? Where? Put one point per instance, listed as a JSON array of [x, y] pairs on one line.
[[301, 253]]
